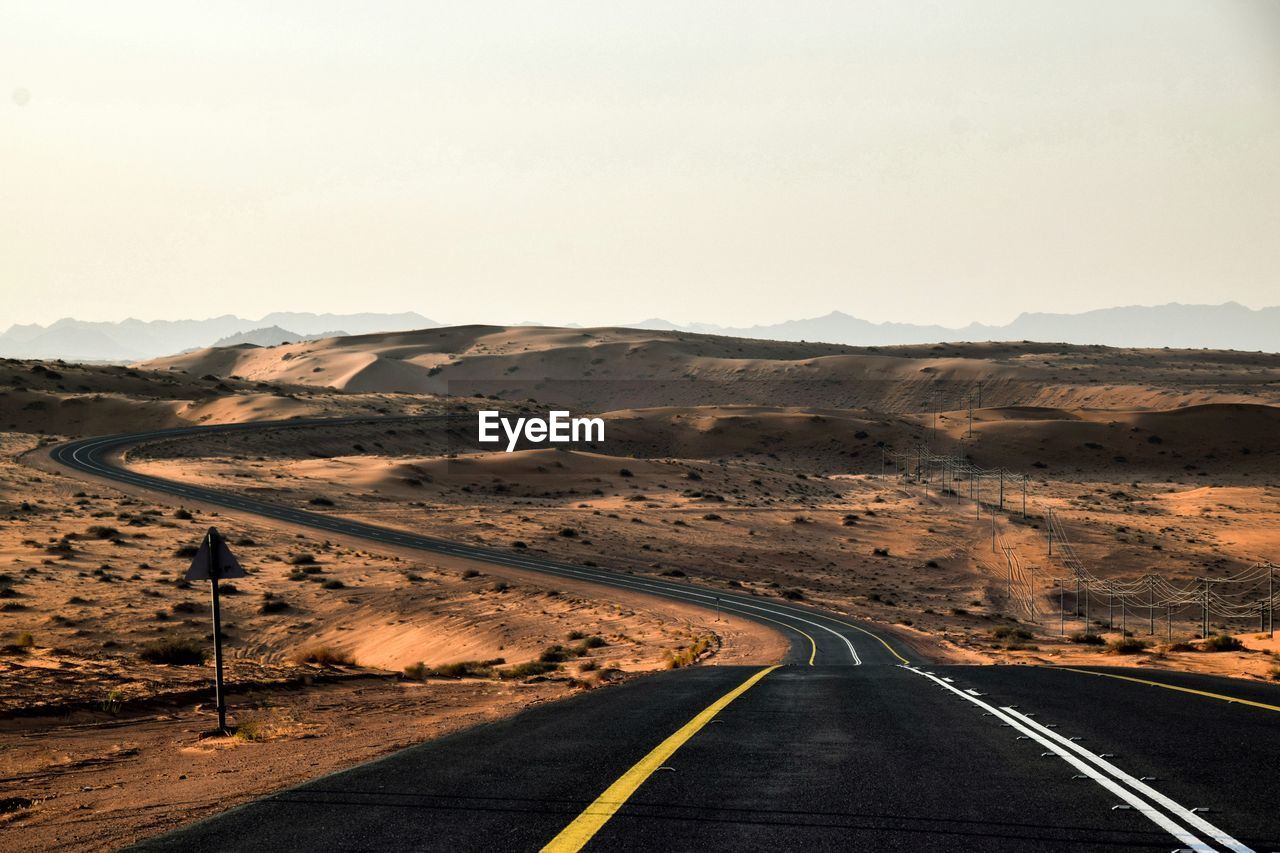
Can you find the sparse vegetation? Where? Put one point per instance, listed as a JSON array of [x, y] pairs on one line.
[[1087, 638], [175, 651], [1222, 643], [691, 653], [324, 656], [1127, 646]]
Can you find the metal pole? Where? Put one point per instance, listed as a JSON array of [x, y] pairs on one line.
[[1204, 632], [993, 530], [1062, 608], [1086, 607], [1111, 609], [214, 570], [1151, 602], [1271, 600], [1049, 523]]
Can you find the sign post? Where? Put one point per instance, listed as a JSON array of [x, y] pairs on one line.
[[213, 562]]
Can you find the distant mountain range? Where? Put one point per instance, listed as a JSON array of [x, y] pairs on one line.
[[1226, 326], [137, 340]]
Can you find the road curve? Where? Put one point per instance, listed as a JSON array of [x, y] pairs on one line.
[[854, 746], [816, 637]]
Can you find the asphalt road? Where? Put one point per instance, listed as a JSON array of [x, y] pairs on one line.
[[854, 744]]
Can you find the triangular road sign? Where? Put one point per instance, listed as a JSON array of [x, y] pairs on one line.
[[206, 567]]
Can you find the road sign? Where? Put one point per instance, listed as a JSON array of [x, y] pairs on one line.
[[213, 562], [205, 567]]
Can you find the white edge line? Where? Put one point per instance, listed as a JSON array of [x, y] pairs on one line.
[[1142, 787], [1149, 811]]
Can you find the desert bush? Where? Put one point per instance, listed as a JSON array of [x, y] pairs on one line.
[[466, 669], [416, 671], [325, 656], [302, 560], [576, 635], [175, 651], [1009, 632], [554, 654], [186, 551], [1127, 646], [333, 583], [320, 500], [1086, 638], [530, 668], [272, 604], [102, 531], [182, 514], [1223, 643], [691, 653]]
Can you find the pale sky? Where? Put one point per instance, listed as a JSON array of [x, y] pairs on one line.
[[601, 162]]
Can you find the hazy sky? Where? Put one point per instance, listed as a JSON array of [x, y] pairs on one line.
[[595, 162]]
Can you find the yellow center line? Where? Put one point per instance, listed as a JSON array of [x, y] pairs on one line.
[[1168, 686], [873, 636], [574, 836], [813, 647]]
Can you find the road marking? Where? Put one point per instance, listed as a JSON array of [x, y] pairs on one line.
[[575, 836], [315, 520], [1168, 686], [813, 647], [1149, 811], [1138, 785]]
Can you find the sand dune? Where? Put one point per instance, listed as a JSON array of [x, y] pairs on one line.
[[609, 368]]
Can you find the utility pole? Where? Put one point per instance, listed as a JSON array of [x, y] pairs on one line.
[[971, 414], [1205, 629], [1271, 600], [1062, 608], [1086, 607], [1048, 517], [1151, 602], [979, 395], [1111, 609], [993, 530], [1024, 497]]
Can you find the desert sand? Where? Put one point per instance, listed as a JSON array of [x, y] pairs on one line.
[[757, 466]]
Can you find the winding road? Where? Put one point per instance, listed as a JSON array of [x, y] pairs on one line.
[[853, 742]]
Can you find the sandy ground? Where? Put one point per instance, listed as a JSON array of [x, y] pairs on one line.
[[91, 576], [922, 566], [97, 781], [731, 464]]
